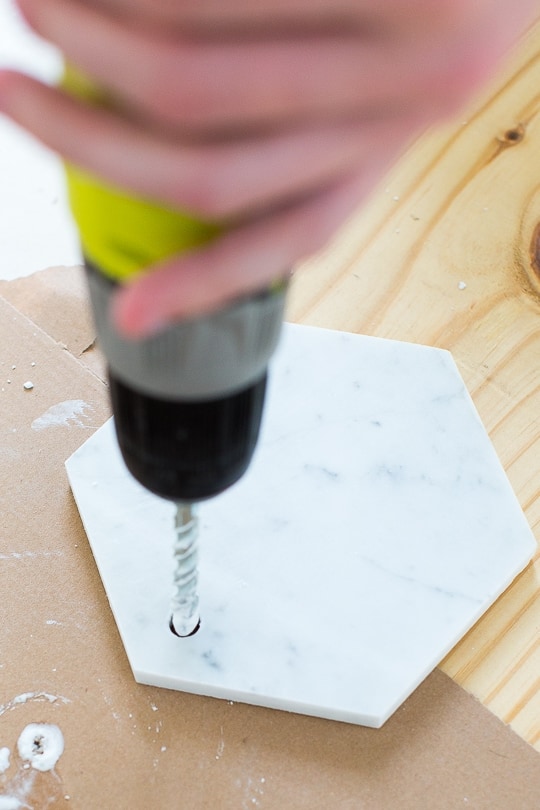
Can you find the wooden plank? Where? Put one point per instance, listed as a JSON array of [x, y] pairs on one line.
[[447, 252]]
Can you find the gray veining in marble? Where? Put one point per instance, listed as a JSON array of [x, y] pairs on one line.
[[374, 527]]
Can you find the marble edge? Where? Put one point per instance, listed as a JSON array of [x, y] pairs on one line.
[[149, 678]]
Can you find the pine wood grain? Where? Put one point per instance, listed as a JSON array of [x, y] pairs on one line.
[[447, 253]]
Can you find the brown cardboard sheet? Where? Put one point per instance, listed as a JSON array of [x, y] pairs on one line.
[[131, 746], [55, 300]]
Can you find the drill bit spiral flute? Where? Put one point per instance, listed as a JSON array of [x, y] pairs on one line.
[[187, 402]]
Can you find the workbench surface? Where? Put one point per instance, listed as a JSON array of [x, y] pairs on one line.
[[447, 253]]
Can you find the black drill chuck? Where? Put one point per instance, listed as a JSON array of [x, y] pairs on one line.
[[188, 402]]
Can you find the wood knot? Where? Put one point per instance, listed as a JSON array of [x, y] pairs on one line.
[[513, 136]]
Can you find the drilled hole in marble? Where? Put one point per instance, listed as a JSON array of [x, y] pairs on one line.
[[173, 630]]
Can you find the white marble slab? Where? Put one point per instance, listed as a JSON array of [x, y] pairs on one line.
[[374, 527]]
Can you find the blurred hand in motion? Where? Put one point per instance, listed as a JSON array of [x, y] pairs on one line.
[[273, 117]]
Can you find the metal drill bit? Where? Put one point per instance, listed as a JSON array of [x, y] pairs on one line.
[[185, 601]]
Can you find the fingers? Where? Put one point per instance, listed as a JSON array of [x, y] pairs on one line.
[[212, 15], [231, 180], [202, 84], [243, 261]]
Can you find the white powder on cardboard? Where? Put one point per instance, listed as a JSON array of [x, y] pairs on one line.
[[4, 760], [26, 697], [10, 803], [63, 414], [42, 745]]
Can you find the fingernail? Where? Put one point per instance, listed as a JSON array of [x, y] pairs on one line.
[[134, 321]]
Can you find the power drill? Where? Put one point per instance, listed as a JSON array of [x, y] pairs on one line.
[[187, 402]]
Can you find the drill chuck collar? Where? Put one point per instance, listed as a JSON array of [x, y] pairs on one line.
[[188, 402], [203, 358]]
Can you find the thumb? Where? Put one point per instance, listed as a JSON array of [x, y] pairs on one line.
[[243, 261]]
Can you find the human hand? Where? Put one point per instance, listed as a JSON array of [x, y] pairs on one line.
[[275, 117]]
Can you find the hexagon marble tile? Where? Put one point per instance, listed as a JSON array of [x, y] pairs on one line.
[[374, 527]]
